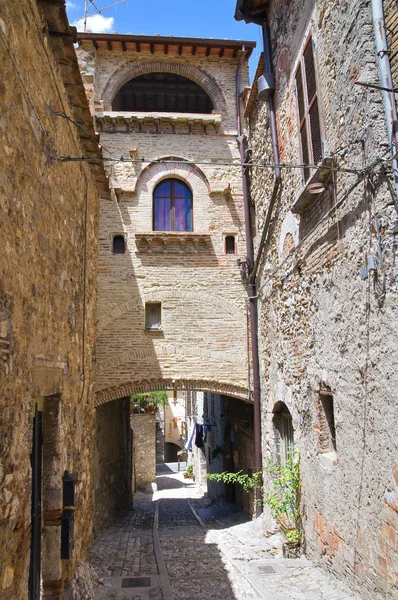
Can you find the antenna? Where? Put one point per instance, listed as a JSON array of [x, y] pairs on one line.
[[97, 10]]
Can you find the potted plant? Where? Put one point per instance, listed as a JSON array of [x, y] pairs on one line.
[[188, 472], [148, 402]]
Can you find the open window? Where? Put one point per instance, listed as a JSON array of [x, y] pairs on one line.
[[153, 316], [162, 92], [118, 244]]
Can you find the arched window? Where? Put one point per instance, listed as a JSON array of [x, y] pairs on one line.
[[162, 92], [172, 206], [283, 432], [118, 245]]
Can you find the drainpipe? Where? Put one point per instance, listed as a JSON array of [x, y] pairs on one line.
[[390, 106], [270, 80], [251, 292]]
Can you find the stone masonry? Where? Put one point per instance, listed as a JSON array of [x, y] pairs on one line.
[[202, 341], [49, 231], [329, 338]]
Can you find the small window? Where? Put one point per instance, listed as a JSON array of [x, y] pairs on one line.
[[326, 424], [230, 244], [283, 433], [308, 109], [153, 315], [118, 244], [172, 206]]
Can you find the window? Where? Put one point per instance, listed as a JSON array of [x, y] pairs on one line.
[[308, 109], [172, 206], [326, 424], [153, 315], [283, 432], [162, 92], [118, 244], [229, 244]]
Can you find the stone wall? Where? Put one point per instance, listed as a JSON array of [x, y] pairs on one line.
[[144, 452], [113, 460], [323, 330], [202, 341], [48, 227]]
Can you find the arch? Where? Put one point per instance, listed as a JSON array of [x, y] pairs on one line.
[[180, 169], [283, 432], [131, 71], [152, 385], [162, 92]]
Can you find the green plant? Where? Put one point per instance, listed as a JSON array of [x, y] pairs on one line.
[[148, 402], [281, 492], [248, 482], [189, 470]]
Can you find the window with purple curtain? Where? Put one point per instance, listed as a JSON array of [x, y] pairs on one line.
[[172, 206]]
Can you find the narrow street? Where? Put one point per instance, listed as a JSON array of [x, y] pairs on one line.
[[173, 546]]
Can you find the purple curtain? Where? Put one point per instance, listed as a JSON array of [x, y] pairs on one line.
[[169, 195]]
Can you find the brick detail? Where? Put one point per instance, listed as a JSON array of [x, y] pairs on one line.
[[127, 72], [150, 385]]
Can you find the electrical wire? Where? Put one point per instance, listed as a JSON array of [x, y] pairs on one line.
[[82, 130]]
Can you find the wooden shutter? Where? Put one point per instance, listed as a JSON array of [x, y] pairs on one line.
[[308, 109]]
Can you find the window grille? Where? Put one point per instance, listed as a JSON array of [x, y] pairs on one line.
[[230, 244], [308, 109]]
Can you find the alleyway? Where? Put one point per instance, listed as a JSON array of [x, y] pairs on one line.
[[164, 550]]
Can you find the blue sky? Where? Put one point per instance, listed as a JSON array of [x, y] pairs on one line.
[[190, 18]]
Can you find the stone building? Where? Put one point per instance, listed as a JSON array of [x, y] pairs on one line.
[[326, 272], [171, 300], [49, 232]]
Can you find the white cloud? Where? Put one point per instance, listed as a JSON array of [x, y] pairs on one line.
[[96, 24], [70, 4]]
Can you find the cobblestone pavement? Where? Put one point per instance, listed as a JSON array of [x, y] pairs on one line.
[[164, 550]]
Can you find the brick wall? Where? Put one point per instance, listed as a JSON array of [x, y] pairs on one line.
[[202, 342], [321, 326]]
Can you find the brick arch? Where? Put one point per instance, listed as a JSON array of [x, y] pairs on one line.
[[151, 385], [156, 171], [131, 71]]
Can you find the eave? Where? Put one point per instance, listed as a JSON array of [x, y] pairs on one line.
[[167, 44]]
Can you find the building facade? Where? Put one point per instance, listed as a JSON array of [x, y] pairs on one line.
[[49, 230], [172, 308], [326, 274]]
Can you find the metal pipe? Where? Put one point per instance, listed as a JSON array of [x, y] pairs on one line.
[[390, 106], [252, 298]]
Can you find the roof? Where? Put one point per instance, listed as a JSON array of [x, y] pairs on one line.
[[62, 38], [254, 89], [252, 11], [166, 44]]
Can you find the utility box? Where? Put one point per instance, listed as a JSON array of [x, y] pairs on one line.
[[68, 490]]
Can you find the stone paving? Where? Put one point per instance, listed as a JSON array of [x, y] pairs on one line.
[[163, 550]]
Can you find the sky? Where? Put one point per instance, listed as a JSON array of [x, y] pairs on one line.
[[190, 18]]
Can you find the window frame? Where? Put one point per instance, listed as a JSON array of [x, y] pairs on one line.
[[146, 316], [306, 119], [172, 181]]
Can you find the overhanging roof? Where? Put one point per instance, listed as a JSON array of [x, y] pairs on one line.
[[251, 10], [166, 44]]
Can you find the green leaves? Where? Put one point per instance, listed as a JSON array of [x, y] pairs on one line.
[[281, 491]]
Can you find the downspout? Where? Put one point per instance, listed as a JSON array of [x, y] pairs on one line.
[[268, 71], [390, 106], [251, 291]]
